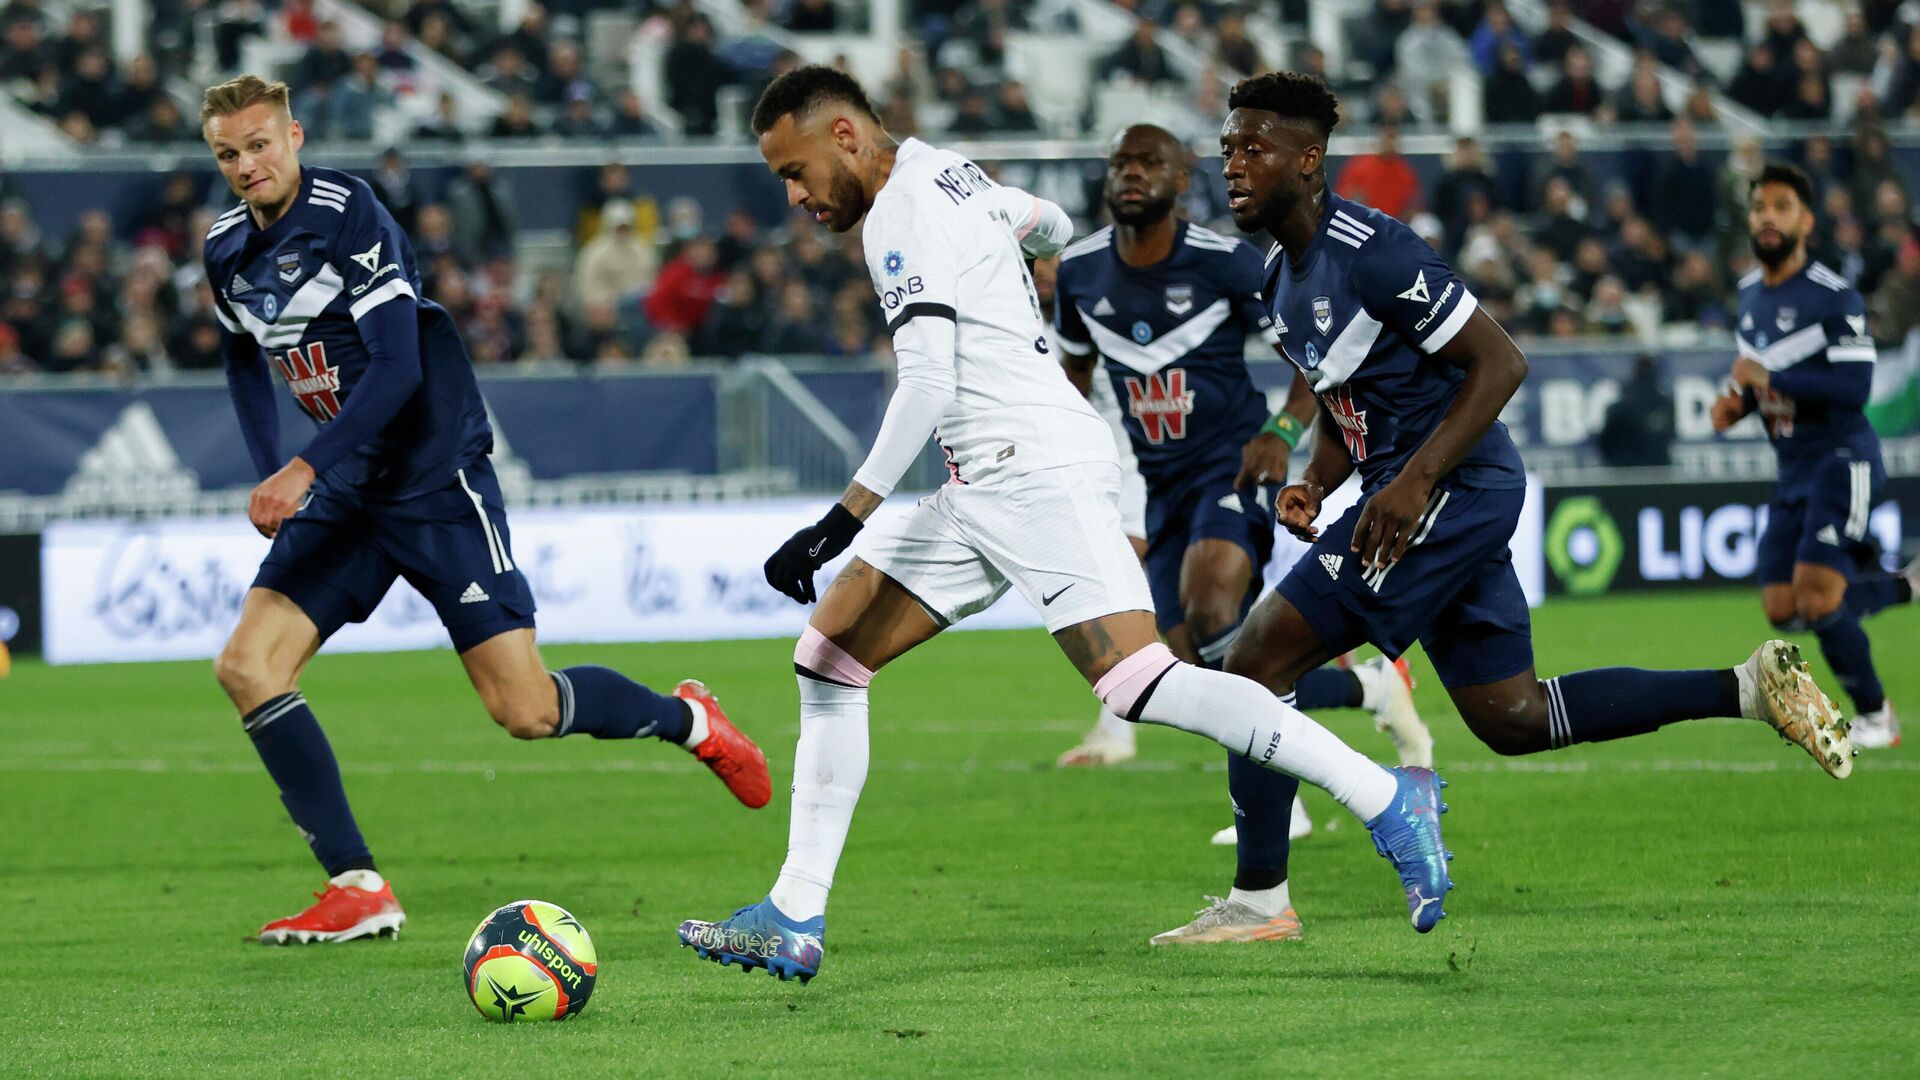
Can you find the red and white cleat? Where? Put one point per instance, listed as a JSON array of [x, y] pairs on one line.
[[342, 913], [733, 757]]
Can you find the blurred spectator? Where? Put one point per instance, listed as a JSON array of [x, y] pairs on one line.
[[1014, 113], [694, 76], [481, 205], [685, 288], [26, 53], [1811, 97], [1233, 48], [1560, 231], [1641, 100], [139, 350], [1427, 55], [1607, 311], [139, 90], [1577, 91], [1696, 296], [1667, 42], [975, 117], [162, 123], [395, 52], [324, 62], [1873, 165], [737, 321], [13, 360], [1382, 179], [811, 17], [235, 21], [1496, 32], [393, 182], [564, 80], [516, 122], [1894, 310], [444, 124], [1855, 53], [1467, 173], [1683, 195], [357, 100], [509, 75], [1558, 39], [532, 38], [795, 330], [616, 264], [91, 90], [1140, 57], [1507, 95], [1638, 430], [578, 120], [451, 30], [1759, 85], [630, 120]]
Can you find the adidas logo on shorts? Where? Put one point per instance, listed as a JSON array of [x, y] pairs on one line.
[[474, 594], [1332, 565], [1827, 535]]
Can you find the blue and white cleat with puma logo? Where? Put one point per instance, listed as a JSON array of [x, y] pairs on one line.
[[1407, 833], [760, 936]]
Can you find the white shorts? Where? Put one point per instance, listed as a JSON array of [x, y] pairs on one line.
[[1053, 534]]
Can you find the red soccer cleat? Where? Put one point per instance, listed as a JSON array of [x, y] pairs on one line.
[[342, 913], [731, 755]]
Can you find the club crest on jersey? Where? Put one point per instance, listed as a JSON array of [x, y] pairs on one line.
[[1323, 313], [893, 263], [1179, 299], [1784, 320], [314, 382], [1161, 402], [1142, 333], [288, 263]]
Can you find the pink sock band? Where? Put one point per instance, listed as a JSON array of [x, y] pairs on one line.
[[1125, 687], [816, 655]]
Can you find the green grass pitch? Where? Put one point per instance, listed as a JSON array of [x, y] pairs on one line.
[[1700, 901]]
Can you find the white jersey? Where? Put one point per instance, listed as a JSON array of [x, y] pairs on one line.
[[939, 242]]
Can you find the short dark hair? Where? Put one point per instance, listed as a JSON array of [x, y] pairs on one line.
[[799, 91], [1779, 172], [1292, 94]]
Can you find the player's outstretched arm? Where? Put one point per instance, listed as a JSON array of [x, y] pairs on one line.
[[251, 386], [1495, 368], [1043, 229]]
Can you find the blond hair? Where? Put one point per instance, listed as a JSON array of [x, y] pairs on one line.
[[236, 94]]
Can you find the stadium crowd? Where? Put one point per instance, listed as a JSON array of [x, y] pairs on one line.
[[1554, 253]]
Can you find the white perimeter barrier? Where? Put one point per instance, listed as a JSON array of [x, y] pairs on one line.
[[172, 589]]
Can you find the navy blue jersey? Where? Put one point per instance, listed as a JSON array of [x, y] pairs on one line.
[[1361, 314], [1174, 338], [1810, 333], [321, 293]]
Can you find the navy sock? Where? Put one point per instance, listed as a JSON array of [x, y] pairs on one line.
[[1262, 817], [300, 760], [1327, 687], [1874, 592], [605, 704], [1613, 703], [1844, 643]]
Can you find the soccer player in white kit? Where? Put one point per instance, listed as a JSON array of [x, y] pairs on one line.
[[1031, 504]]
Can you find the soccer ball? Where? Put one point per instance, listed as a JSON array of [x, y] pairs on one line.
[[530, 960]]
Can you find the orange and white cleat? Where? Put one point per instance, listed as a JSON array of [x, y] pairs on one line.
[[350, 908], [1224, 920], [733, 757]]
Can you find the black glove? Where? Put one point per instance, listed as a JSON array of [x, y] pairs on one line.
[[791, 568]]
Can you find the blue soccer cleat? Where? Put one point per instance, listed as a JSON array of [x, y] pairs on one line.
[[1407, 832], [760, 936]]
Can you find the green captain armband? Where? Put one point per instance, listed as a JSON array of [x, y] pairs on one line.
[[1284, 425]]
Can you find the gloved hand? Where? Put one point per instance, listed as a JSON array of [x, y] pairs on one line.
[[791, 568]]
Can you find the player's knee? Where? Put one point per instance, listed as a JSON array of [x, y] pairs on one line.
[[243, 672], [1207, 622], [1511, 727], [524, 717], [1815, 602]]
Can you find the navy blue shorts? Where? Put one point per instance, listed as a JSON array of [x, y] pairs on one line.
[[1205, 509], [1821, 517], [1454, 590], [338, 556]]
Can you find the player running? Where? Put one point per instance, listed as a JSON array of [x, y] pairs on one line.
[[1031, 505], [1167, 307], [314, 281], [1411, 377], [1806, 364]]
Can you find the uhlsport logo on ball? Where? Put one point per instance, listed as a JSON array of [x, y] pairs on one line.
[[530, 960]]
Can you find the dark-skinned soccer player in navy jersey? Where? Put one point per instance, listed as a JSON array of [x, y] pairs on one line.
[[1167, 307], [1806, 365], [314, 283], [1412, 375]]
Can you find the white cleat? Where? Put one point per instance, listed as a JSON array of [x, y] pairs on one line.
[[1099, 747], [1787, 698], [1299, 828], [1877, 730], [1227, 920], [1396, 715]]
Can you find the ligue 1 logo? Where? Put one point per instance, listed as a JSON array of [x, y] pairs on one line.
[[1142, 333]]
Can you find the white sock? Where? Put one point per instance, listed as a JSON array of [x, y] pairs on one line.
[[1372, 694], [1245, 717], [1749, 692], [1268, 902], [697, 733], [829, 769], [1114, 726], [358, 879]]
